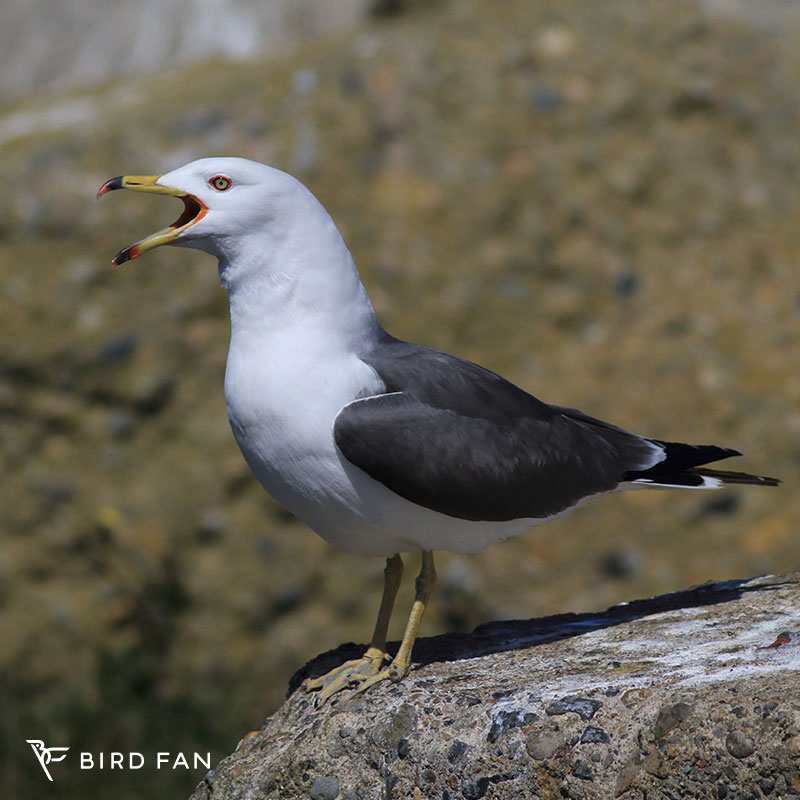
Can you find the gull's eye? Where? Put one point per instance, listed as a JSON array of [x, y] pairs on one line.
[[220, 183]]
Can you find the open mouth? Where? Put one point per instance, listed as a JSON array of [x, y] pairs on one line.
[[193, 211]]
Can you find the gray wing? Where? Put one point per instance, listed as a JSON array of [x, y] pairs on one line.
[[456, 438]]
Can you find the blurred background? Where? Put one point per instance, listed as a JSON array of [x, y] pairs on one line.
[[598, 200]]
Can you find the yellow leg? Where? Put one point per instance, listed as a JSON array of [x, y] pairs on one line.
[[401, 663], [371, 662], [392, 575]]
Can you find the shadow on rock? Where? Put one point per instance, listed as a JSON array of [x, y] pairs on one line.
[[500, 637]]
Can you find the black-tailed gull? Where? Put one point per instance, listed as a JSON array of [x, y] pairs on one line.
[[382, 446]]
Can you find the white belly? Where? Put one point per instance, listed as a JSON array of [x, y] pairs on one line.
[[282, 413]]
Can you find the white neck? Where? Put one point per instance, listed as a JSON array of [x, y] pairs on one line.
[[296, 274]]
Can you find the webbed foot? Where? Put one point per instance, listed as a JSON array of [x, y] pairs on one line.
[[394, 673], [358, 670]]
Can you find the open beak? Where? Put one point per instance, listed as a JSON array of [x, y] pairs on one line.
[[193, 211]]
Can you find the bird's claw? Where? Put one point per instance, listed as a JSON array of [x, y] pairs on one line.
[[359, 670], [393, 672]]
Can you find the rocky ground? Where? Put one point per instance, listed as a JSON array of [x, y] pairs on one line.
[[692, 694], [599, 201]]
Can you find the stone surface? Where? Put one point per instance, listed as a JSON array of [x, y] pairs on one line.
[[695, 693]]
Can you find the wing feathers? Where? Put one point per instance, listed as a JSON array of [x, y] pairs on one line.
[[481, 469], [454, 437]]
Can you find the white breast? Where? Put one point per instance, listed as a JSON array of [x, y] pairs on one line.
[[282, 402]]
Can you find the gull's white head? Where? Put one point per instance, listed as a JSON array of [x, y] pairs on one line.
[[280, 254], [227, 201]]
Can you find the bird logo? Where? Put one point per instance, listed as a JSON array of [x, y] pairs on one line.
[[46, 755]]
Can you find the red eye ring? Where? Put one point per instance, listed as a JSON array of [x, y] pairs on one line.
[[220, 183]]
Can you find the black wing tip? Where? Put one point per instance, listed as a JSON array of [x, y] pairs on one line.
[[680, 459], [705, 479], [683, 465], [743, 478]]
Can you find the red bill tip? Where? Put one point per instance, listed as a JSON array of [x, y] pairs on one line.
[[128, 254], [109, 186]]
